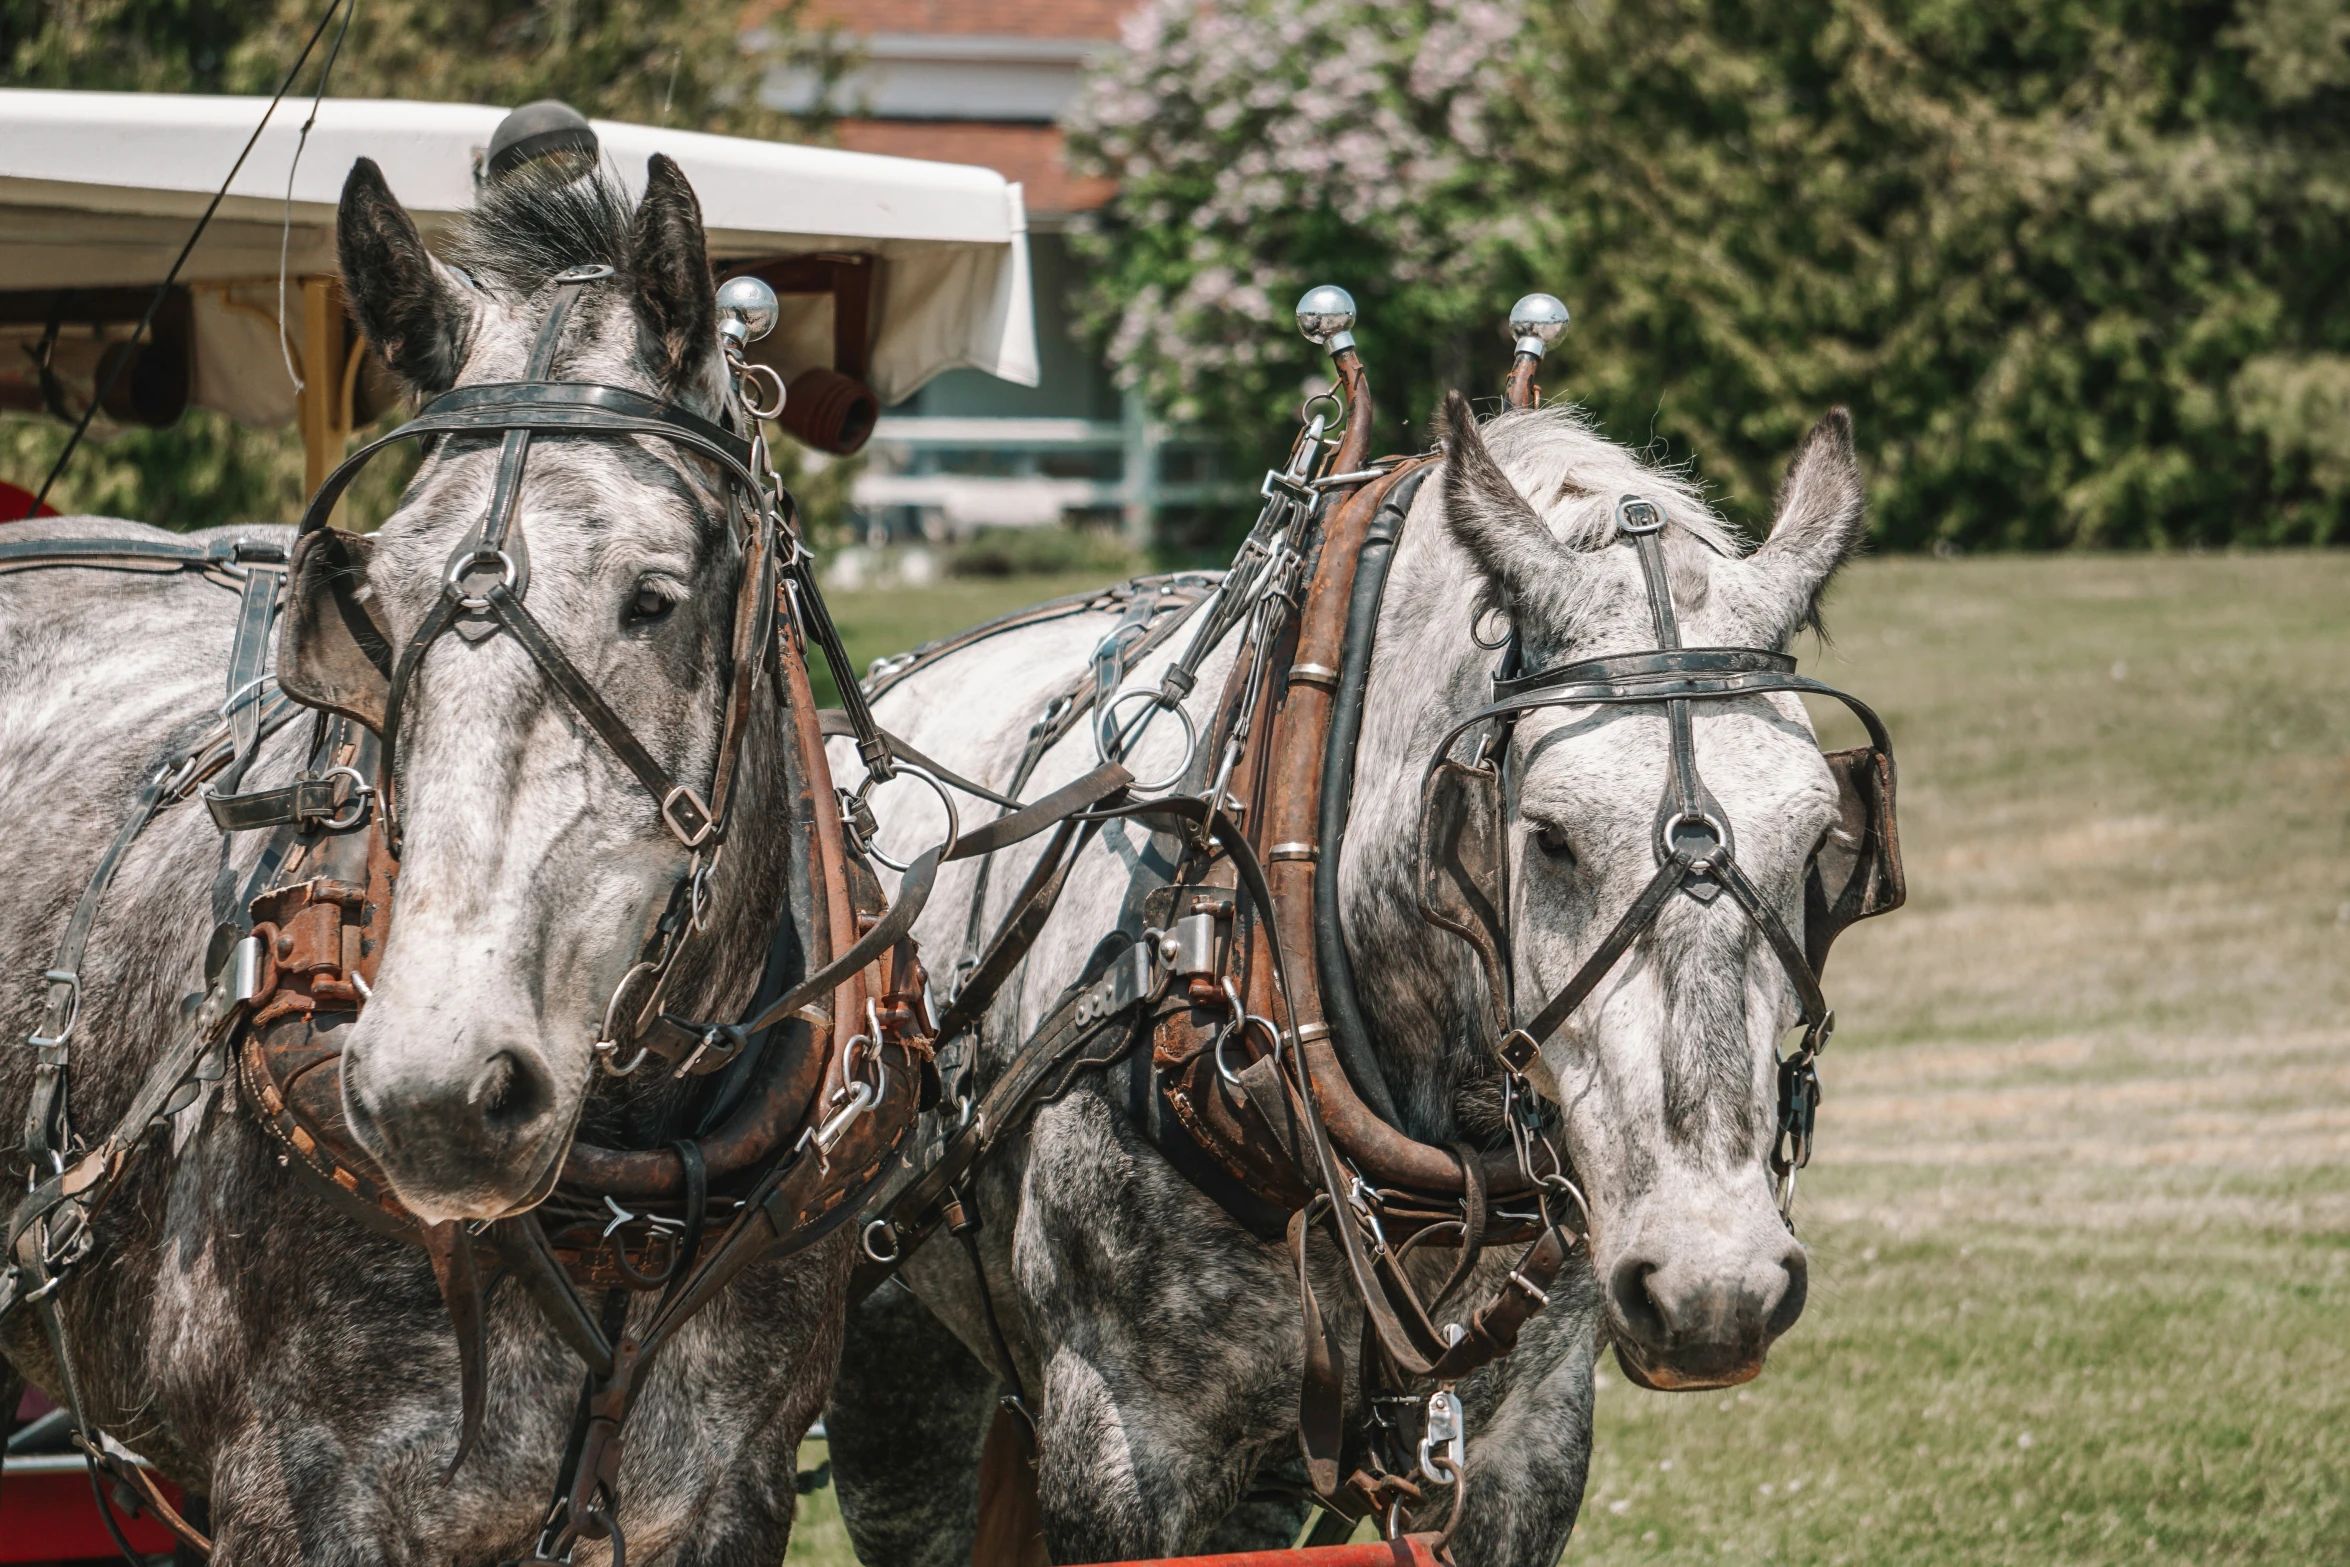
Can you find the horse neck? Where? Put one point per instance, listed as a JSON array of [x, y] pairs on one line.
[[1420, 987]]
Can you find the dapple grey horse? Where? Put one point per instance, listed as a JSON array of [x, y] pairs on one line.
[[293, 1369], [1159, 1338]]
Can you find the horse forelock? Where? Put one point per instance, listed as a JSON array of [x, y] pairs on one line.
[[1572, 476], [530, 225]]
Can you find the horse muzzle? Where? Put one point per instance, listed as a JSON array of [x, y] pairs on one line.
[[474, 1131], [1686, 1324]]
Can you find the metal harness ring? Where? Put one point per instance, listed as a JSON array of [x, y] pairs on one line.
[[361, 792], [871, 845], [461, 566], [1190, 738]]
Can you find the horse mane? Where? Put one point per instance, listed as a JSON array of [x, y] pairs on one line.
[[1572, 474], [531, 224]]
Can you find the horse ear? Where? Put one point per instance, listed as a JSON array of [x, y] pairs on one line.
[[1820, 521], [332, 650], [675, 300], [1492, 521], [412, 311]]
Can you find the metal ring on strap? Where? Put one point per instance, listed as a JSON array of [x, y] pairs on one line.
[[361, 792], [954, 827], [1190, 738], [462, 566]]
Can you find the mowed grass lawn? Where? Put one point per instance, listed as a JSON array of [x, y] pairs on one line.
[[2080, 1215]]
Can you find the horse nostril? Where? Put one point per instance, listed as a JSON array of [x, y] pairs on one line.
[[510, 1090], [1636, 1305], [1790, 1306]]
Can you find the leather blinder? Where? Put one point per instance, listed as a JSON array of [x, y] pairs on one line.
[[1463, 884], [333, 652], [1857, 872]]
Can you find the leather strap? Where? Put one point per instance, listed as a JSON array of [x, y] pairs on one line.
[[20, 554], [248, 660]]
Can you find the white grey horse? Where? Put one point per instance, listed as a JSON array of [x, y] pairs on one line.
[[1162, 1340], [281, 1361]]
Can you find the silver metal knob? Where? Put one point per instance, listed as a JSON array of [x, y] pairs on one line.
[[746, 310], [1537, 322], [1326, 315]]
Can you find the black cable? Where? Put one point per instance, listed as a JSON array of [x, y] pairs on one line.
[[163, 289]]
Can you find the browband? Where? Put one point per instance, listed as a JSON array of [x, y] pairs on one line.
[[1744, 672], [545, 407], [1657, 664]]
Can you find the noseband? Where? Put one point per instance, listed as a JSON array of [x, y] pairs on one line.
[[1695, 851]]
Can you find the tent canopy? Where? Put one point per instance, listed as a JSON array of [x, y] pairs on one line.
[[890, 269]]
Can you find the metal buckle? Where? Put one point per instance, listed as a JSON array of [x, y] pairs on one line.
[[1518, 1051], [73, 1008], [361, 792], [1636, 515], [699, 811]]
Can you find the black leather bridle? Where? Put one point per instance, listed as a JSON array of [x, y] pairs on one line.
[[486, 580], [1695, 850]]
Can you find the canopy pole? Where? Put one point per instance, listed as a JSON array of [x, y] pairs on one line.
[[324, 409]]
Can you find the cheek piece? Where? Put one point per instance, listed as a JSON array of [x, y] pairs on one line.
[[1462, 869]]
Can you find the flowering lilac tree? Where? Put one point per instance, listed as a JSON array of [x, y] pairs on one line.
[[2079, 267], [1262, 147]]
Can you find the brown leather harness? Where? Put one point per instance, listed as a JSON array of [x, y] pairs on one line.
[[1260, 1082]]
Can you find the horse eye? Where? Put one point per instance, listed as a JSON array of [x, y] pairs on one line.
[[1553, 839], [649, 604]]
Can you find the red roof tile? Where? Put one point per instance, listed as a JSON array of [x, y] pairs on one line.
[[1030, 154], [1003, 18]]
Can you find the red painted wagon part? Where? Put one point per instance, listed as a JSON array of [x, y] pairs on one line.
[[47, 1514], [1413, 1550]]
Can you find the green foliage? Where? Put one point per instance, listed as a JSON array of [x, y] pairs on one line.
[[2079, 267], [1027, 552], [657, 62], [654, 61], [122, 45], [203, 472]]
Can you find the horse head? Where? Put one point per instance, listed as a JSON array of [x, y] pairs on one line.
[[1666, 1071], [535, 861]]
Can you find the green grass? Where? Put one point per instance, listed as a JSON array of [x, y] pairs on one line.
[[873, 624], [2080, 1215]]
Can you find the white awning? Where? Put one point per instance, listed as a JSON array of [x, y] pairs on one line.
[[102, 189]]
